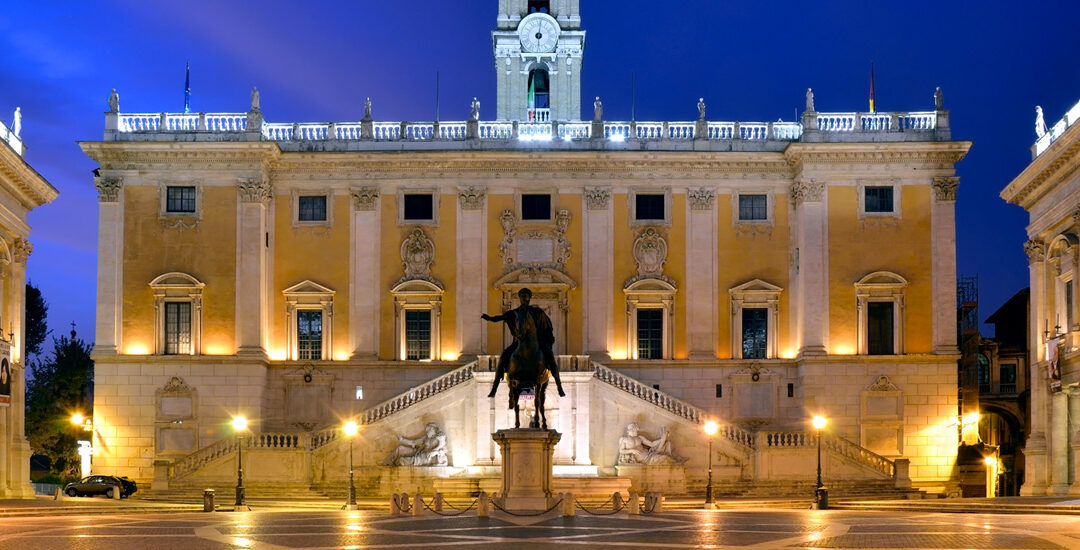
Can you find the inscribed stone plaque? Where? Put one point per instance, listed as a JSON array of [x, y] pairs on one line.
[[756, 400], [307, 403], [179, 406], [535, 251], [882, 405], [883, 440], [176, 439]]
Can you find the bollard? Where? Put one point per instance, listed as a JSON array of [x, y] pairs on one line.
[[437, 505], [418, 505], [568, 505], [482, 505], [616, 501], [659, 502], [634, 509], [208, 500], [117, 491], [58, 493], [403, 502], [394, 509]]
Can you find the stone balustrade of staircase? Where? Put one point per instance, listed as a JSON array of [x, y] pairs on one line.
[[834, 443], [229, 445]]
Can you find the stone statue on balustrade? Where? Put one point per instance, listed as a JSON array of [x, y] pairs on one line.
[[809, 100], [1040, 122], [598, 109], [428, 450], [367, 108], [114, 102], [635, 448], [16, 124], [474, 113], [939, 99], [701, 108], [254, 99]]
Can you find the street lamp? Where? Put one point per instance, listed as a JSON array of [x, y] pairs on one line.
[[239, 423], [710, 429], [821, 494], [350, 430]]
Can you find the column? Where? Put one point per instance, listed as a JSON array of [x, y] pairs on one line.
[[701, 267], [598, 262], [19, 451], [1074, 439], [110, 264], [1058, 455], [252, 277], [1035, 475], [364, 270], [812, 279], [943, 264], [472, 282]]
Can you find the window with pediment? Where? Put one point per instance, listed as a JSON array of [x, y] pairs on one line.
[[754, 320], [879, 298], [309, 313], [178, 314]]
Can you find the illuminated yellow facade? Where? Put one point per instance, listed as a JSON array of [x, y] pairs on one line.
[[760, 273], [21, 190]]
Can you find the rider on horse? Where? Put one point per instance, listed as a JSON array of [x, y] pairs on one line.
[[545, 334]]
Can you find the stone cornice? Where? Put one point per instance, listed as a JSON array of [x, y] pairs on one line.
[[174, 155], [22, 181], [1056, 164], [940, 153]]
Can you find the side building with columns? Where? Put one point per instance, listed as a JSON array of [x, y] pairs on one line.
[[305, 273], [1049, 190], [21, 190]]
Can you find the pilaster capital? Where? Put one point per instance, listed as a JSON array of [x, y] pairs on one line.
[[254, 190], [945, 188], [701, 198], [471, 197], [108, 188], [1035, 250], [597, 198], [807, 191], [364, 198], [21, 250]]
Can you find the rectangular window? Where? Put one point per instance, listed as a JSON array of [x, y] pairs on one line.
[[1068, 306], [648, 207], [1007, 380], [359, 392], [312, 208], [878, 198], [177, 328], [755, 333], [791, 390], [719, 390], [309, 334], [417, 334], [536, 206], [418, 207], [753, 207], [180, 198], [650, 333], [879, 328]]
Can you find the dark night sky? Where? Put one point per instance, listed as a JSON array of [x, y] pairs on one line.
[[316, 61]]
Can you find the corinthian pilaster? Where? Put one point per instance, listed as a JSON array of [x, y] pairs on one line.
[[108, 188], [598, 260], [252, 265], [107, 333], [470, 290], [1036, 477], [701, 274], [945, 188], [364, 271], [811, 283], [943, 264]]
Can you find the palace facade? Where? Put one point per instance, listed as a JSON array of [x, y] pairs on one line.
[[303, 274], [1049, 190], [21, 190]]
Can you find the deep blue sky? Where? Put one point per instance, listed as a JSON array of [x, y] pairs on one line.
[[317, 60]]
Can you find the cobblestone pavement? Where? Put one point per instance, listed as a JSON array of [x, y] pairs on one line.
[[279, 530]]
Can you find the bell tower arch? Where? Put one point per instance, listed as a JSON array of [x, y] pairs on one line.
[[538, 47]]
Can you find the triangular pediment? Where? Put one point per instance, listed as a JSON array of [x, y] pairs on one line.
[[756, 285], [307, 287]]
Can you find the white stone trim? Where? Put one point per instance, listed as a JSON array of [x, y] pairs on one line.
[[163, 186], [770, 206], [861, 186], [309, 296], [650, 294], [421, 295], [435, 198], [755, 294], [177, 287], [295, 201], [880, 286], [631, 201]]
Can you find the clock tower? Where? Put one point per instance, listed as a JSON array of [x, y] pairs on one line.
[[538, 46]]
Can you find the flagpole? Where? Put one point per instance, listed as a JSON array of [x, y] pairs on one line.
[[187, 88], [871, 86], [632, 98], [436, 96]]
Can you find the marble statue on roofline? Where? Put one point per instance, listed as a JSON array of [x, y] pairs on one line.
[[939, 99], [701, 108], [474, 114], [635, 448], [16, 124], [367, 108], [1040, 122], [598, 110], [254, 99], [114, 102], [809, 100], [427, 450]]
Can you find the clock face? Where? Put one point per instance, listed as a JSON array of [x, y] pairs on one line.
[[539, 33]]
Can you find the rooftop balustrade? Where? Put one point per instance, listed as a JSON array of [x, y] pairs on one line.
[[12, 139]]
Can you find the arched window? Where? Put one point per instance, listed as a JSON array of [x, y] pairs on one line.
[[539, 6], [539, 95]]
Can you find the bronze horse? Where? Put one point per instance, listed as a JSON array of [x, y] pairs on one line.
[[527, 368]]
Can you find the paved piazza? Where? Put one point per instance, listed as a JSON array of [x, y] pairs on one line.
[[676, 529]]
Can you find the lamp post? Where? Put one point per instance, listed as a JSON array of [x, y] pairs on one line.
[[710, 429], [85, 445], [239, 423], [821, 494], [350, 430]]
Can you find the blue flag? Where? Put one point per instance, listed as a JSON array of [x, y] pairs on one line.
[[187, 89]]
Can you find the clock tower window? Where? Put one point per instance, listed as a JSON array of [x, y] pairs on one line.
[[539, 95], [539, 6]]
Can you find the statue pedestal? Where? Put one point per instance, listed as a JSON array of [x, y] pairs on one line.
[[527, 457]]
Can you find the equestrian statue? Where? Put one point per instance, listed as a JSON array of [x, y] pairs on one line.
[[528, 362]]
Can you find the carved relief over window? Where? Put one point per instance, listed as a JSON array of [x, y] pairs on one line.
[[650, 253], [882, 417], [417, 255], [534, 248], [176, 428]]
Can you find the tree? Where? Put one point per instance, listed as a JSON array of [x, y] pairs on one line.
[[62, 384], [36, 327]]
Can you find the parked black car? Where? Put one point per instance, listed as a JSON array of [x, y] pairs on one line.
[[101, 485]]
